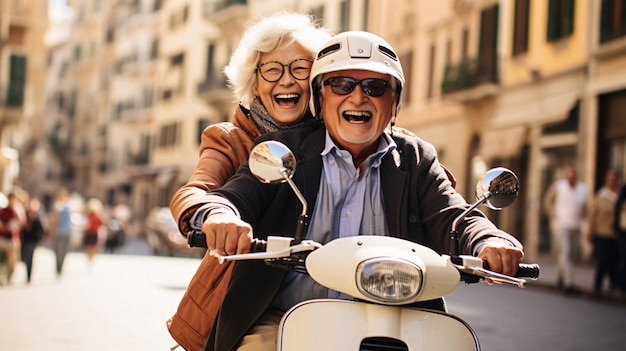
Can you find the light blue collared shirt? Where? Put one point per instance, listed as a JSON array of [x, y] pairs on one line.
[[349, 202]]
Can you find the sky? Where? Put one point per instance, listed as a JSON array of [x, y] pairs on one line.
[[59, 15]]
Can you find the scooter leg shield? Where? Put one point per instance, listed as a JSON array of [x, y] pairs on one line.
[[318, 325]]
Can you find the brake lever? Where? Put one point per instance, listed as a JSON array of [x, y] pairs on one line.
[[303, 246], [473, 266]]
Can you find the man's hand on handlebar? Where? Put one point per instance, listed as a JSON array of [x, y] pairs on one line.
[[227, 234], [501, 258]]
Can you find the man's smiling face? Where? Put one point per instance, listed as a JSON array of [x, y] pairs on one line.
[[355, 121]]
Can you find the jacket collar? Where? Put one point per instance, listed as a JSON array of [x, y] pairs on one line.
[[392, 174], [242, 119]]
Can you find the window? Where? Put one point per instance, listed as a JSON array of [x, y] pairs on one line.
[[612, 20], [202, 124], [560, 19], [366, 11], [431, 71], [344, 19], [486, 70], [154, 49], [407, 66], [169, 135], [17, 80], [210, 63], [465, 43], [77, 53], [178, 18], [520, 26]]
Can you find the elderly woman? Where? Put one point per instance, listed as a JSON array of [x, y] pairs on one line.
[[269, 75]]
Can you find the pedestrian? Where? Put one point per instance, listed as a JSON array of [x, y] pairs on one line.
[[12, 219], [61, 228], [602, 234], [385, 183], [94, 229], [116, 226], [269, 75], [35, 229], [620, 228], [566, 205]]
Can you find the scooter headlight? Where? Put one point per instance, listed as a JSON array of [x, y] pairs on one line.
[[389, 280]]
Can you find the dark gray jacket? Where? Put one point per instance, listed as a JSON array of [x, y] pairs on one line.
[[420, 204]]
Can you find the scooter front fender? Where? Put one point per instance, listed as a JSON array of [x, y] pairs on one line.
[[328, 324]]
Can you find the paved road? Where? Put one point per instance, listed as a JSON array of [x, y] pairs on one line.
[[509, 318], [120, 302]]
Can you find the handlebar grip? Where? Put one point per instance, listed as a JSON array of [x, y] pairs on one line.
[[258, 245], [526, 270], [196, 239]]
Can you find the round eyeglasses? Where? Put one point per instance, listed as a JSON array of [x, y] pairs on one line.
[[345, 85], [272, 71]]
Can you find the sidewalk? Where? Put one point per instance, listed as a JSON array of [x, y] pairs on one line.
[[583, 280]]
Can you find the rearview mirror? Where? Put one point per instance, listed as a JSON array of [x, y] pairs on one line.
[[271, 162], [498, 188]]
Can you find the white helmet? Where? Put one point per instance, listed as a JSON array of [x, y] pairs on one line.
[[354, 50]]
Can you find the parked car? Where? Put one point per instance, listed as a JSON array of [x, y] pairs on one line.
[[163, 235]]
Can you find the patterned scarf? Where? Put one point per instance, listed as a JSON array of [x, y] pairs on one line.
[[267, 124]]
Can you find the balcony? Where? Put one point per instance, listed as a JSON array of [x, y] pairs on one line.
[[214, 88], [471, 80], [224, 11]]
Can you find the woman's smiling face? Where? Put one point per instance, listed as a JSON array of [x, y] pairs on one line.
[[287, 99]]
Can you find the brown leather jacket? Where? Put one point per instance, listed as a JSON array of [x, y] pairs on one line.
[[223, 148]]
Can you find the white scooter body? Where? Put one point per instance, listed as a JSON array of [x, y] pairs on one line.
[[329, 324], [322, 325]]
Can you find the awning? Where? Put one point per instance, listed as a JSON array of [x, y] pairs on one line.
[[502, 143], [544, 102]]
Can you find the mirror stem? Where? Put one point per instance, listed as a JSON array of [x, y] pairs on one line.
[[303, 221], [454, 234]]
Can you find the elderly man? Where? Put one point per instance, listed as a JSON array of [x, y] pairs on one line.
[[361, 179]]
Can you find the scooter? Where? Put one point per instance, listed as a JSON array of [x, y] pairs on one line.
[[382, 274]]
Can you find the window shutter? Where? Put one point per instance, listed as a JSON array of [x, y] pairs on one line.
[[568, 23], [552, 20], [17, 80]]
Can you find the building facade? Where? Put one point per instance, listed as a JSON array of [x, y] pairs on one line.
[[23, 24], [529, 85]]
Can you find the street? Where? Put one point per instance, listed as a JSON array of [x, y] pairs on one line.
[[534, 318], [122, 302]]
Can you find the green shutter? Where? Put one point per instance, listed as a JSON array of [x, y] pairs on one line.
[[17, 80], [568, 23], [552, 20]]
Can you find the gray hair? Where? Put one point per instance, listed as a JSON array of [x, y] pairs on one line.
[[267, 35]]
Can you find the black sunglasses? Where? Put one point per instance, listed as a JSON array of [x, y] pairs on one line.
[[345, 85]]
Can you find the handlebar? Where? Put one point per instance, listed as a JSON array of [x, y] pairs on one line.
[[472, 269]]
